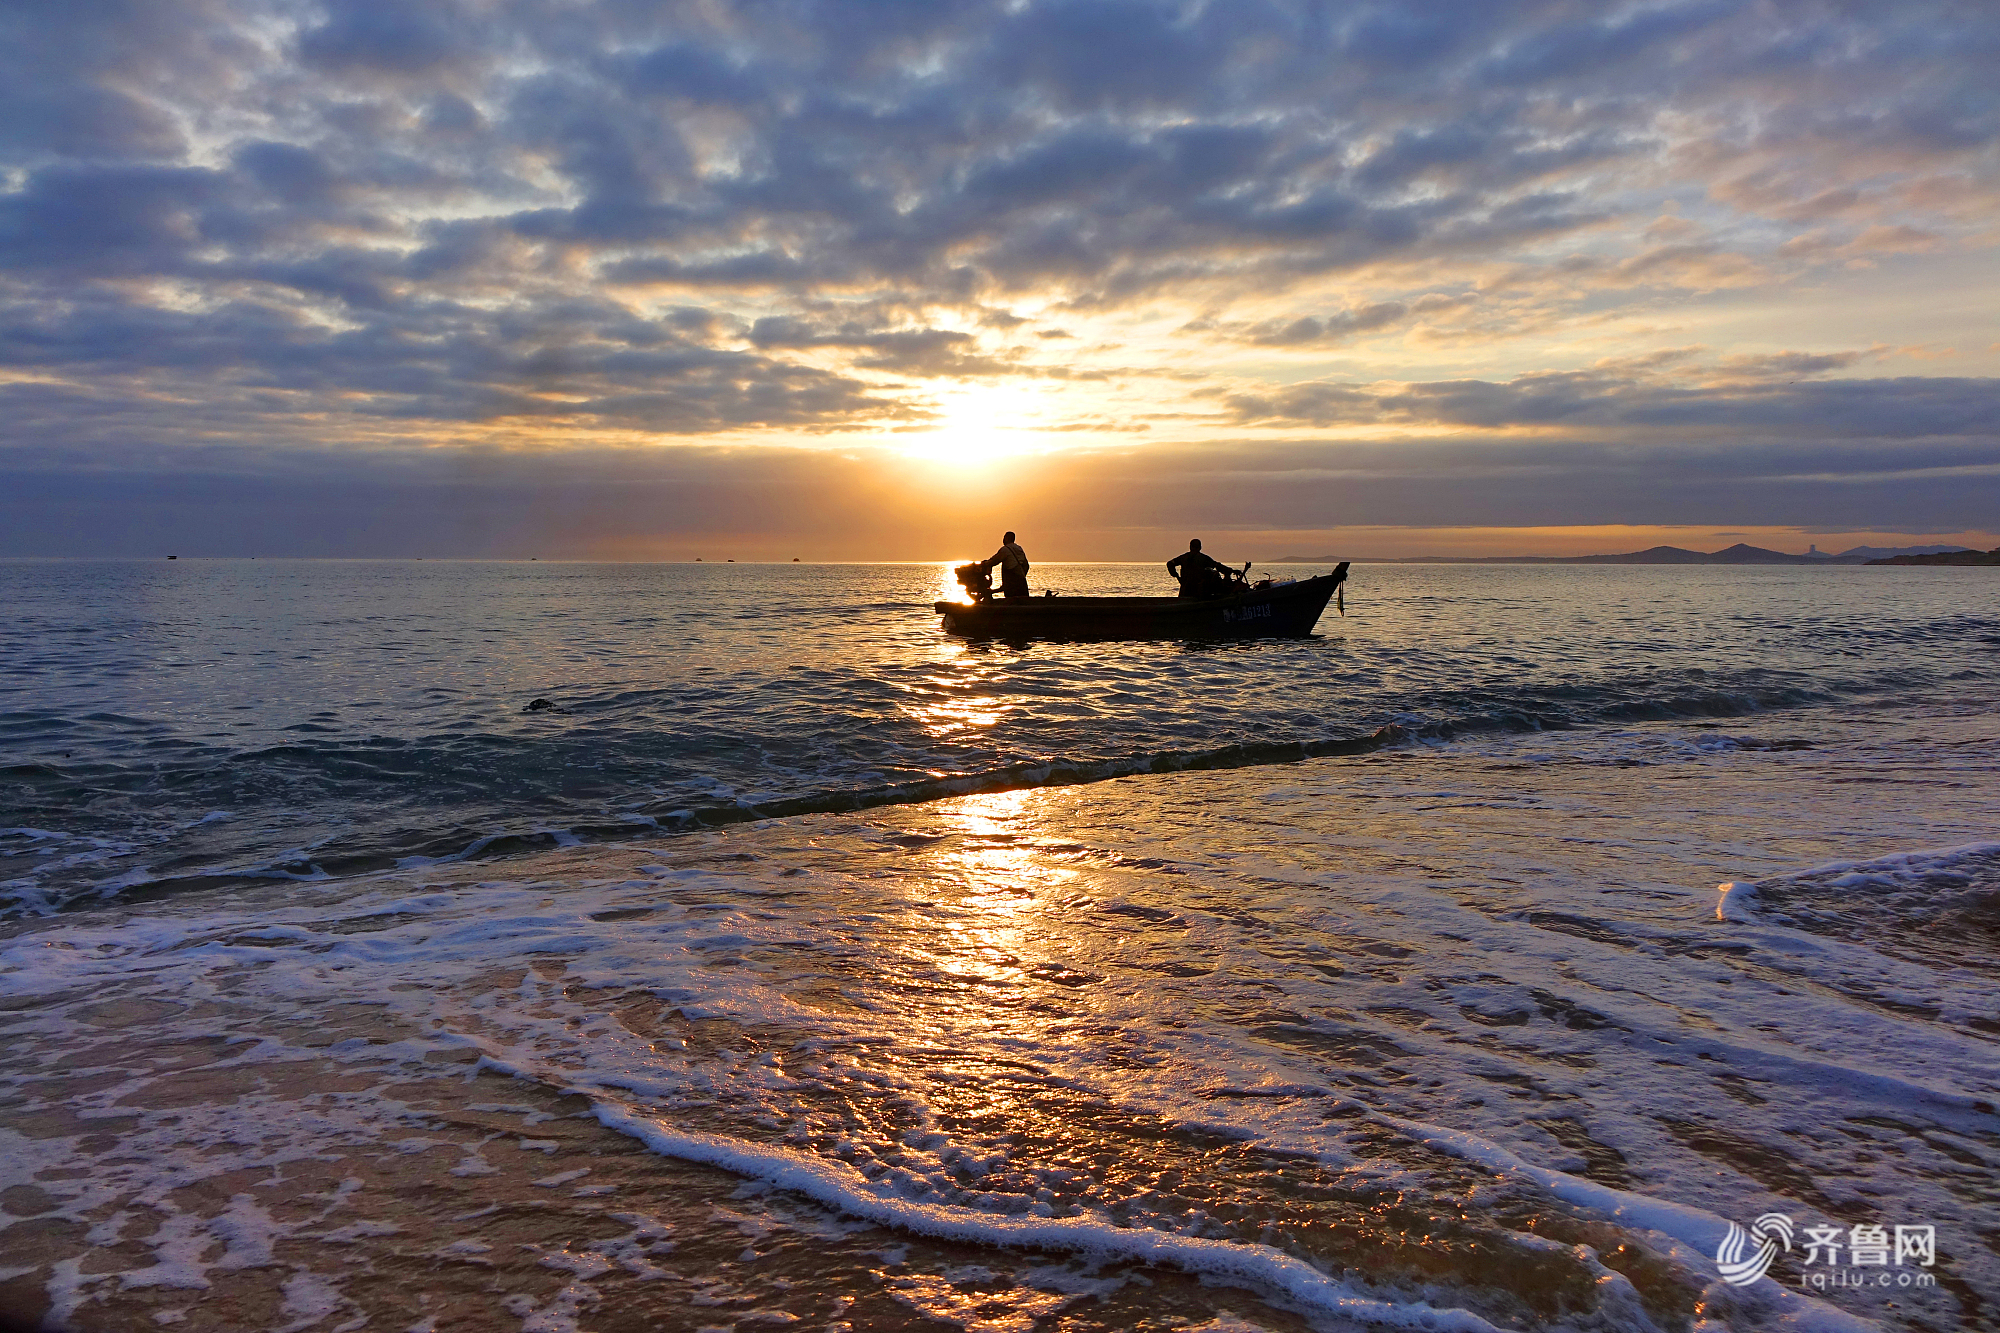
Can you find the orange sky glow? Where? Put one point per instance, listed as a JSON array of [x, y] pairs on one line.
[[642, 284]]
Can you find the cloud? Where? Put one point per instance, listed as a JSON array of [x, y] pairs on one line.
[[1742, 398], [1332, 328], [678, 503], [582, 363], [252, 221], [367, 36], [906, 351], [1791, 365]]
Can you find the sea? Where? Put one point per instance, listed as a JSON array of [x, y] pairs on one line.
[[446, 946]]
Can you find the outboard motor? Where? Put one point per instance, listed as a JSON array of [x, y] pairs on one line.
[[976, 579]]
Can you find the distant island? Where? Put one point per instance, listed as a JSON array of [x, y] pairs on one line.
[[1991, 557], [1739, 554]]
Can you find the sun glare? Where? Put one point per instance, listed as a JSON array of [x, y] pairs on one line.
[[981, 423]]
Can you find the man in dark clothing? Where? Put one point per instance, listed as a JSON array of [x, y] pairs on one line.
[[1199, 574], [1013, 562]]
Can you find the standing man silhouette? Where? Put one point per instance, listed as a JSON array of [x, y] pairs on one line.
[[1197, 571], [1013, 562]]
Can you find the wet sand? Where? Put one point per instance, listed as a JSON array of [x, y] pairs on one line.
[[1451, 1036]]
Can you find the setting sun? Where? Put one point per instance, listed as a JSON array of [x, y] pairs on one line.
[[978, 424]]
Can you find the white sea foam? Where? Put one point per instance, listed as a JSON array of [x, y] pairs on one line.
[[1735, 902], [1939, 870], [840, 1187], [1937, 873], [1033, 935]]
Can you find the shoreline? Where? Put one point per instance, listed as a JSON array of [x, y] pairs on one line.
[[730, 974]]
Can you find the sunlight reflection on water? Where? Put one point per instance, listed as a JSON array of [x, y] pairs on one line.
[[1223, 1008]]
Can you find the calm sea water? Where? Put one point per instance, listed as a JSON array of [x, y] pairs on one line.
[[169, 724], [805, 967]]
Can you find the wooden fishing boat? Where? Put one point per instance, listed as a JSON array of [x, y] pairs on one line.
[[1265, 609]]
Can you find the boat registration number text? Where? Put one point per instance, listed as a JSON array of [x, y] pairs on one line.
[[1231, 614]]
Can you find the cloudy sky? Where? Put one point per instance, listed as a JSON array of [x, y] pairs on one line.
[[872, 280]]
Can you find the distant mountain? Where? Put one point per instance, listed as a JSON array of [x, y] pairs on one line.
[[1958, 557], [1862, 555], [1739, 554]]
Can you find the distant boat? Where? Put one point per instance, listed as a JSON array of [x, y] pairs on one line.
[[1266, 609]]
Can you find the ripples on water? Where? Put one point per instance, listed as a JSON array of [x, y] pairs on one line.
[[1452, 1031], [171, 724]]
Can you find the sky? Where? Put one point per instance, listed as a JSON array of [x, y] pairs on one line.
[[652, 281]]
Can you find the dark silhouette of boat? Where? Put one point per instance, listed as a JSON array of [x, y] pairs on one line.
[[1265, 609]]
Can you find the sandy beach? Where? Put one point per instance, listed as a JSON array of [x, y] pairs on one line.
[[1446, 1036]]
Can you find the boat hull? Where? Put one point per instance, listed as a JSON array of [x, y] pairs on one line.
[[1287, 611]]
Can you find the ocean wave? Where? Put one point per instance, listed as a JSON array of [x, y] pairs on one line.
[[402, 734], [1938, 906], [405, 784], [1005, 1024], [394, 774]]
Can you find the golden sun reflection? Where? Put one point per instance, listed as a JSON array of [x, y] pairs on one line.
[[993, 814], [949, 589], [958, 694], [1008, 886], [955, 715]]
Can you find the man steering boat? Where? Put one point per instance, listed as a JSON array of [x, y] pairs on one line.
[[1201, 574], [1013, 562]]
